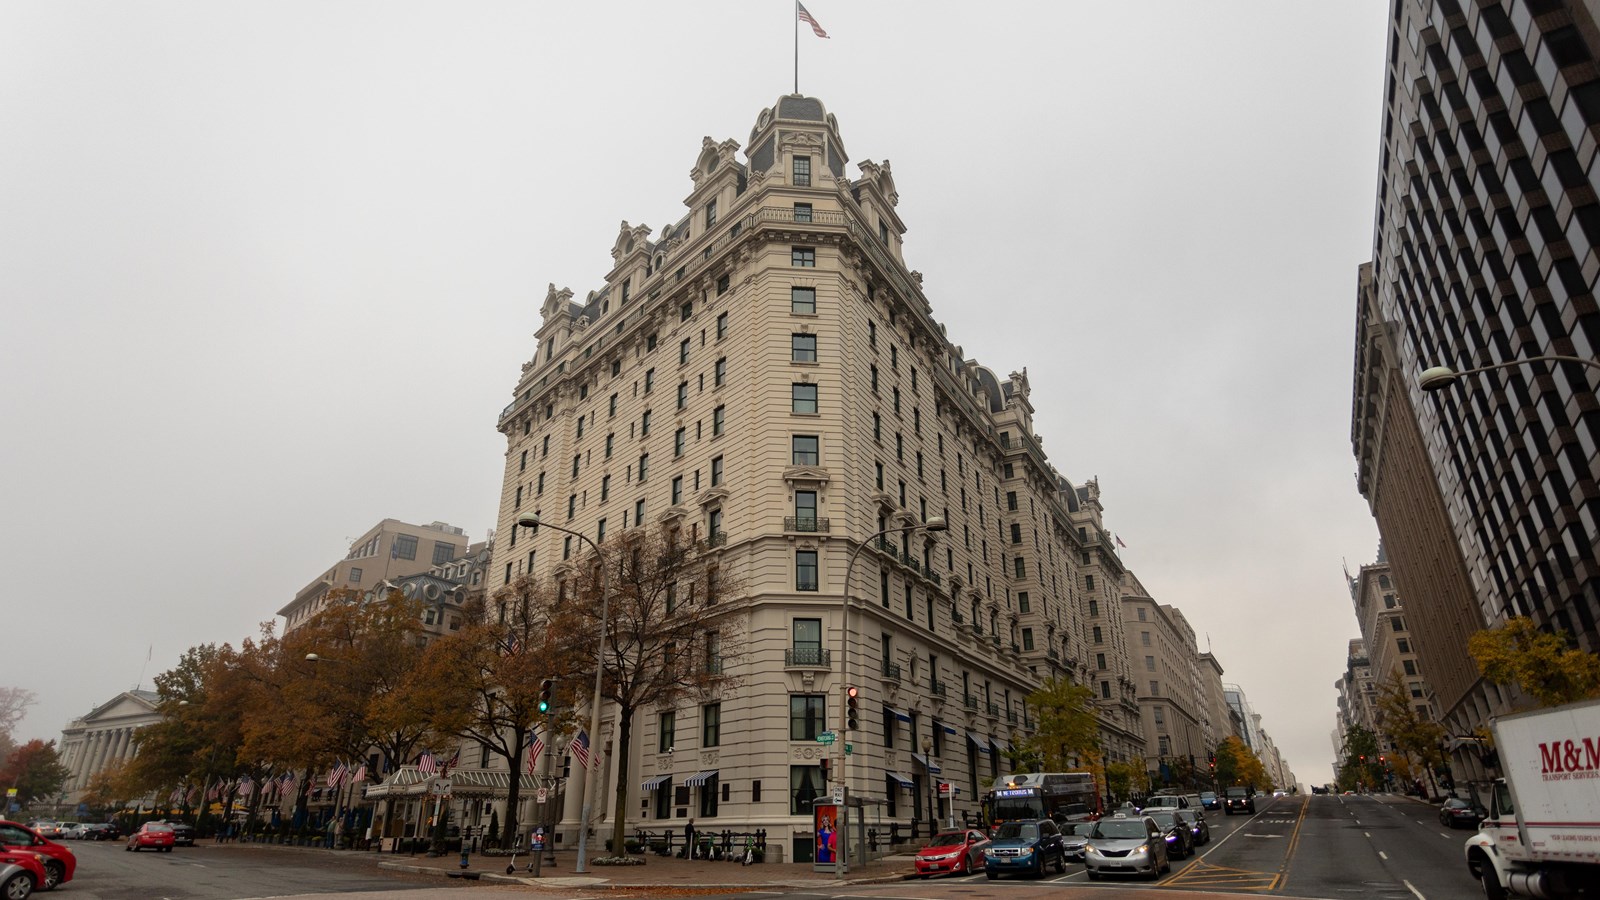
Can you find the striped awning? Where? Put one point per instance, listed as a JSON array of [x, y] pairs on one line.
[[996, 745], [699, 779], [948, 729], [981, 743], [902, 716], [409, 782], [651, 784], [904, 781], [932, 768]]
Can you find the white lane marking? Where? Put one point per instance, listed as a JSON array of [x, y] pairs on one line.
[[1382, 855], [1366, 834], [1412, 889], [1446, 836]]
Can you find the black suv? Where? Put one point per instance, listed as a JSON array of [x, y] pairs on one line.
[[1239, 799]]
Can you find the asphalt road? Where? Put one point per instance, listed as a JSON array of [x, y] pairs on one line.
[[233, 872]]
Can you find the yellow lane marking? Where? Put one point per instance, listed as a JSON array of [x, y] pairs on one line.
[[1294, 839], [1203, 874]]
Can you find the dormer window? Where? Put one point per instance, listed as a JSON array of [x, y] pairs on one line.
[[711, 214], [802, 171]]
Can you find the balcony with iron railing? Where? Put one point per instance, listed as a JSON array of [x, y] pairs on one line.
[[714, 666], [806, 658], [717, 539], [994, 709], [891, 672], [1054, 653], [969, 701], [806, 524], [1011, 716]]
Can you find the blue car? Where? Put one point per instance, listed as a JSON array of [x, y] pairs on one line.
[[1025, 846]]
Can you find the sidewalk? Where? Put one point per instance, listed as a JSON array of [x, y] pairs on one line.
[[658, 871]]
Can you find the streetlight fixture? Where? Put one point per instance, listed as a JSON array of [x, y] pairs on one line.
[[1437, 378], [531, 521], [934, 524]]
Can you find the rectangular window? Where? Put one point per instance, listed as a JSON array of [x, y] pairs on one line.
[[405, 547], [605, 488], [1155, 688], [1027, 638], [1149, 663], [644, 465], [677, 490], [1099, 660], [805, 785], [355, 576], [722, 285], [666, 732], [722, 326], [649, 380], [683, 352], [572, 506], [721, 373], [612, 408], [644, 424], [686, 311], [803, 257], [803, 398], [638, 513], [1022, 602], [805, 570], [717, 416], [600, 532], [679, 438], [802, 212], [808, 640], [711, 214], [803, 300], [611, 440], [805, 510], [808, 716], [802, 171], [803, 348], [711, 725], [1020, 567], [683, 394], [716, 471], [803, 450], [1094, 607], [1144, 638]]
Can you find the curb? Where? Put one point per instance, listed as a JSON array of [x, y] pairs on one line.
[[605, 885]]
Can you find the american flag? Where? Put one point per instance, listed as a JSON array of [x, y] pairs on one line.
[[453, 762], [427, 764], [360, 775], [246, 786], [806, 17], [533, 754], [337, 776], [580, 748], [513, 643]]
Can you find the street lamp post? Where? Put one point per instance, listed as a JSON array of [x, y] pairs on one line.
[[927, 771], [532, 522], [1437, 378], [936, 523]]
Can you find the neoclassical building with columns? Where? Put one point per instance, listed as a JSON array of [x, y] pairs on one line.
[[106, 736]]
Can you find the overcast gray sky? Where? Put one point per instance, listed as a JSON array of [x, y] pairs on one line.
[[269, 271]]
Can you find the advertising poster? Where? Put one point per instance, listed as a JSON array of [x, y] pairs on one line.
[[825, 820]]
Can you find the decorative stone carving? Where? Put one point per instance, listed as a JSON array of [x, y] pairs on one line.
[[555, 302]]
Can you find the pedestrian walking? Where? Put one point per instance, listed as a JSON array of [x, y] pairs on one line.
[[688, 840]]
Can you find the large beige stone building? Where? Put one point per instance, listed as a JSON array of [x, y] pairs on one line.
[[105, 738], [1172, 697], [766, 374]]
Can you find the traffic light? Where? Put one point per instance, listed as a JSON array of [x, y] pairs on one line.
[[544, 695], [826, 768], [852, 708]]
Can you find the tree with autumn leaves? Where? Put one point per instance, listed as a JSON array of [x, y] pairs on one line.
[[1237, 764], [1544, 664]]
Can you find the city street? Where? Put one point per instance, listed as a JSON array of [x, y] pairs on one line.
[[1379, 846]]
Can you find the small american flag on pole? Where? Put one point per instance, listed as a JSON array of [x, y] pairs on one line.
[[809, 19], [580, 748], [337, 776], [533, 754], [246, 786], [427, 764], [360, 775]]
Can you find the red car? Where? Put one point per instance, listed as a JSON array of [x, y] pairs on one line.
[[952, 852], [152, 834], [17, 883], [59, 862]]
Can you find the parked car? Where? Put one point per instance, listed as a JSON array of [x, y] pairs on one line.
[[1165, 801], [1210, 800], [952, 852], [47, 827], [1457, 813], [1126, 845], [102, 831], [59, 861], [1195, 802], [182, 834], [1197, 825], [1074, 835], [1239, 799], [151, 834], [21, 873], [1027, 846], [1180, 840]]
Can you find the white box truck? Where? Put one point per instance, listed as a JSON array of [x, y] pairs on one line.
[[1542, 835]]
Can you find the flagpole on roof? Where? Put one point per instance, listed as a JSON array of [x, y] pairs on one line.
[[797, 46]]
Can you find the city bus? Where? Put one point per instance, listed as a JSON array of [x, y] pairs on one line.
[[1043, 795]]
